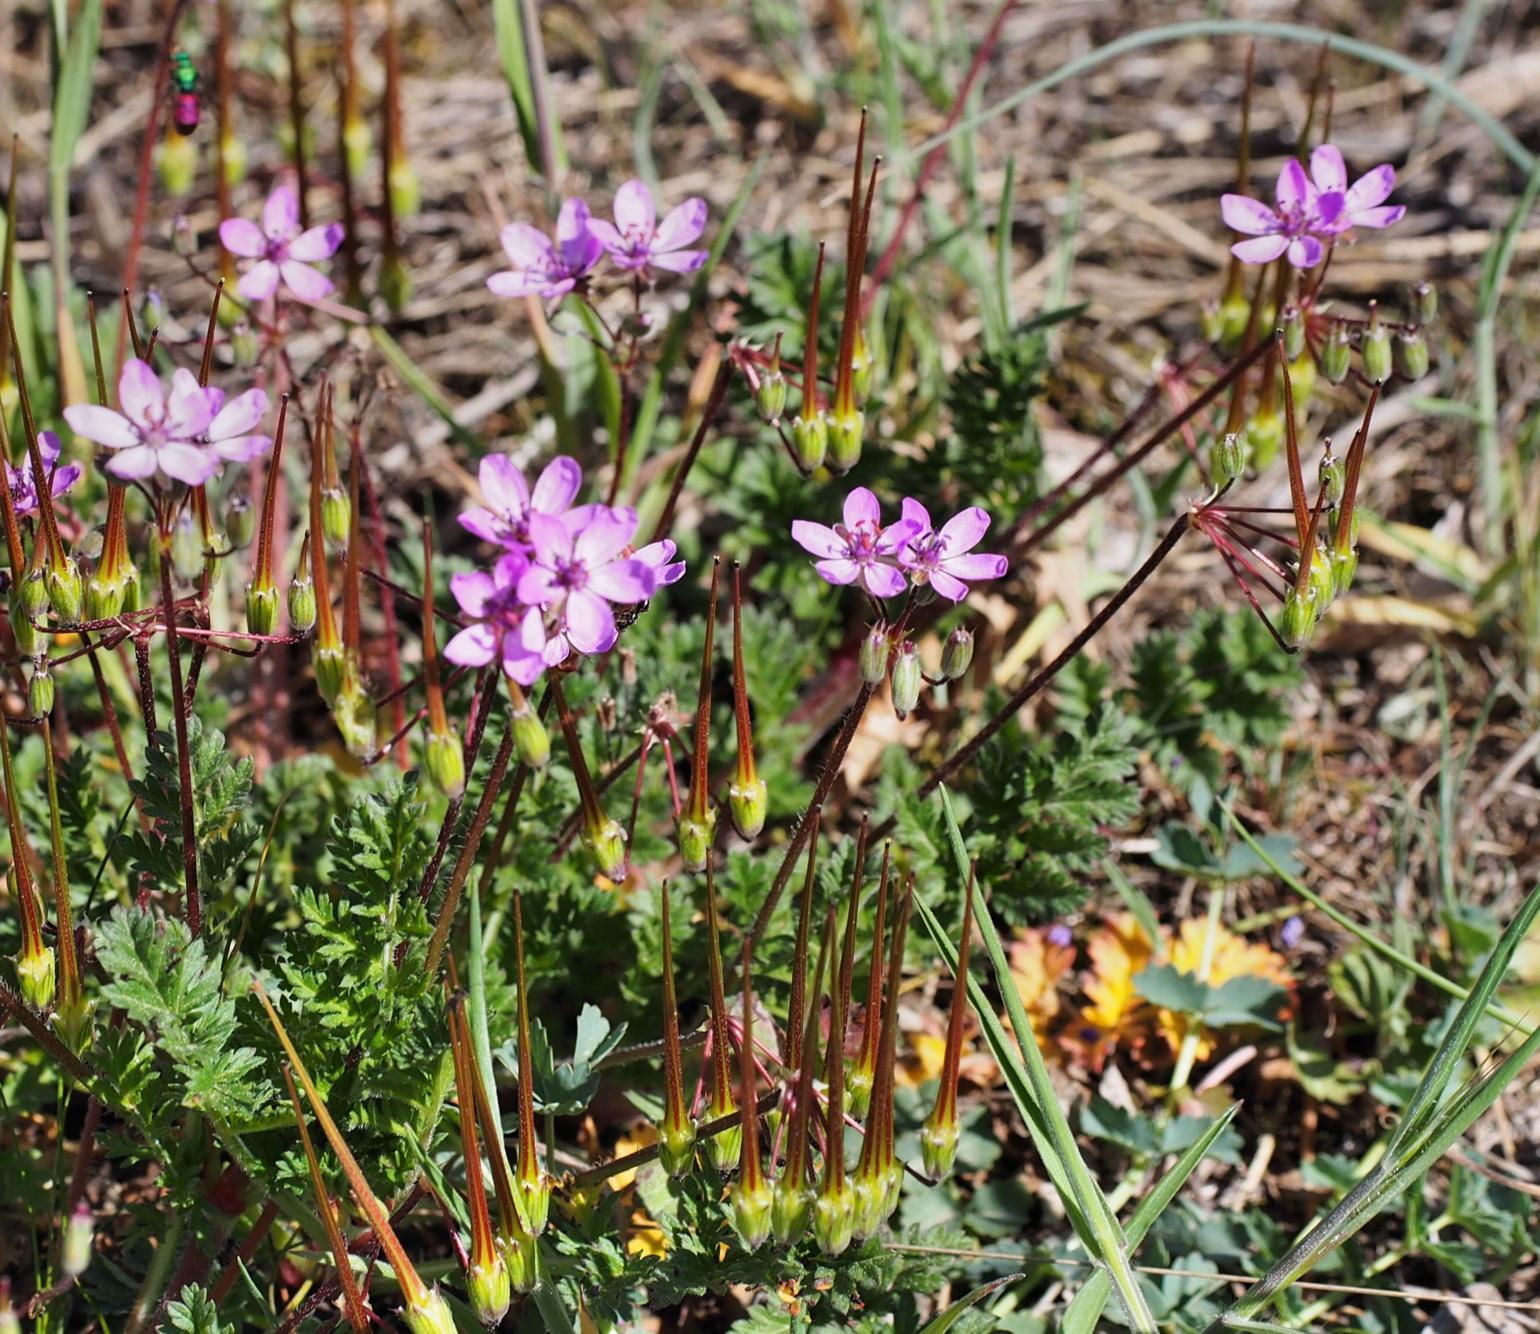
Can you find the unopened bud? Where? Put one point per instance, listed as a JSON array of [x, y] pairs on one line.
[[521, 1254], [183, 239], [845, 432], [445, 764], [28, 640], [770, 397], [752, 1204], [1336, 355], [66, 591], [395, 283], [747, 804], [261, 608], [302, 606], [79, 1236], [907, 679], [430, 1314], [489, 1291], [810, 440], [957, 653], [833, 1217], [676, 1147], [336, 516], [790, 1210], [1333, 479], [531, 742], [1377, 353], [1296, 623], [695, 837], [606, 844], [858, 1088], [722, 1148], [536, 1195], [186, 549], [177, 163], [1227, 458], [1425, 302], [34, 971], [40, 690], [330, 668], [938, 1147], [240, 521], [405, 187], [1344, 565], [356, 718], [32, 593], [874, 655], [1412, 354], [358, 144], [862, 363], [1264, 434], [1292, 326], [1234, 317], [1302, 374]]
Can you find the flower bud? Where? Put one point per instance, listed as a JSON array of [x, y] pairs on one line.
[[336, 516], [186, 549], [862, 363], [810, 441], [405, 187], [770, 396], [867, 1196], [1333, 480], [244, 347], [240, 521], [536, 1194], [34, 971], [957, 653], [752, 1205], [723, 1147], [1263, 435], [938, 1148], [858, 1088], [1234, 316], [33, 594], [695, 837], [1209, 320], [489, 1290], [874, 656], [1292, 326], [446, 764], [746, 804], [845, 432], [358, 144], [330, 668], [1425, 302], [1336, 355], [1377, 353], [1412, 354], [1227, 458], [606, 844], [789, 1211], [1344, 565], [28, 641], [833, 1218], [429, 1314], [261, 608], [302, 606], [40, 690], [66, 591], [395, 283], [530, 740], [676, 1147], [521, 1255], [177, 163], [1302, 375], [1323, 587], [79, 1235], [1297, 622], [907, 679]]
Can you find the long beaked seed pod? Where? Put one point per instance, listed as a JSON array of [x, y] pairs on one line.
[[353, 710], [486, 1276], [73, 1015], [532, 1182], [751, 1196], [602, 836], [426, 1310], [792, 1055], [698, 818], [939, 1134], [445, 759], [847, 423], [810, 427], [35, 962], [793, 1203], [326, 651], [887, 1057], [833, 1217], [721, 1148], [676, 1133], [863, 1071], [302, 598], [747, 796], [262, 589]]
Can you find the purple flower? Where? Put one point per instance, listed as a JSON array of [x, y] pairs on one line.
[[859, 550], [1292, 933], [1060, 935], [184, 436], [546, 268], [942, 558], [1363, 202], [659, 558], [577, 571], [281, 249], [638, 241], [23, 492], [1303, 214], [504, 519], [504, 626]]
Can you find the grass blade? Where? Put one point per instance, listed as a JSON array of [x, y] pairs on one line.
[[958, 1309]]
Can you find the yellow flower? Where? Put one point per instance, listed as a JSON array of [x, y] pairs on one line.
[[646, 1237], [1038, 965], [922, 1062]]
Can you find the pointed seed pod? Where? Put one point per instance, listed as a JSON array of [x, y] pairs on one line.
[[443, 757], [676, 1133], [302, 599], [532, 1181], [521, 1255], [698, 818], [1234, 319], [770, 394], [847, 423], [1376, 348], [723, 1147], [1209, 323], [751, 1197], [863, 1071], [810, 427], [35, 962], [957, 653], [747, 796], [878, 1173], [793, 1203], [939, 1134]]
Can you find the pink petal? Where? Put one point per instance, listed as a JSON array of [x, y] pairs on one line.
[[916, 513], [306, 283], [241, 236], [551, 540], [484, 524], [187, 463], [575, 240], [964, 530], [1294, 189], [947, 586], [557, 486], [605, 535], [503, 485], [977, 566], [259, 282], [1252, 216], [1328, 169], [472, 590], [590, 623], [518, 282], [626, 581], [527, 247], [634, 211], [133, 463], [103, 426], [538, 586], [838, 571], [280, 215], [1305, 252], [190, 407], [896, 535], [683, 224], [1260, 249], [883, 581], [474, 646], [139, 393], [240, 416], [1379, 217], [49, 446], [525, 668], [607, 235], [1372, 188], [861, 507], [679, 261], [317, 243], [242, 448], [818, 539]]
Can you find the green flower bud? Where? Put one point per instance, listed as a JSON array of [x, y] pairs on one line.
[[66, 591], [1292, 326], [810, 441], [358, 144], [1344, 565], [40, 690], [894, 1186], [1412, 354], [1234, 316], [521, 1254], [1377, 354], [833, 1219], [240, 521], [489, 1290], [1297, 622], [73, 1020], [302, 606], [177, 163], [1336, 355], [186, 549], [104, 597], [244, 347], [845, 432], [1425, 302], [1323, 585], [35, 973], [1263, 436], [957, 653], [336, 516], [907, 679], [395, 283], [79, 1237], [330, 667], [405, 188], [1302, 380], [33, 594], [233, 151], [752, 1205], [1352, 535], [1227, 458], [28, 640], [723, 1147], [789, 1211], [430, 1314], [676, 1147], [261, 609], [445, 764], [770, 397], [1210, 320], [746, 805], [607, 846], [938, 1148], [695, 839], [530, 741], [132, 594], [356, 718], [1333, 480], [874, 656]]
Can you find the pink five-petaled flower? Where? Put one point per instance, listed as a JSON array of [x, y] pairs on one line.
[[1301, 216], [184, 436], [504, 519], [23, 487], [543, 267], [859, 550], [1363, 202], [505, 628], [577, 571], [944, 558], [638, 241], [281, 249], [659, 558]]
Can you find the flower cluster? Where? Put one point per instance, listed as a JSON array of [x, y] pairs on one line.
[[636, 242], [1311, 211], [183, 436], [563, 569], [884, 559], [280, 250]]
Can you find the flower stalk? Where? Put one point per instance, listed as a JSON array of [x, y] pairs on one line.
[[747, 795], [698, 819], [810, 426], [533, 1183], [793, 1204], [602, 836], [833, 1209], [445, 759], [863, 1072]]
